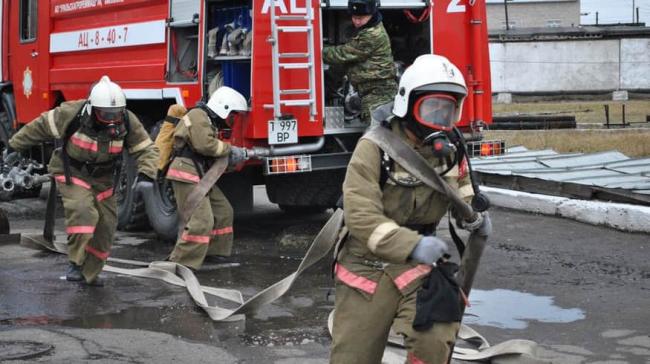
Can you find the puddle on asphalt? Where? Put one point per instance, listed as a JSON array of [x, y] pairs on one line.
[[513, 310], [190, 324]]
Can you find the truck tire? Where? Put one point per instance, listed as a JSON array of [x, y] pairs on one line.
[[161, 210], [131, 213], [305, 192]]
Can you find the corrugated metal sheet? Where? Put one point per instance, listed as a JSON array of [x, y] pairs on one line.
[[609, 170]]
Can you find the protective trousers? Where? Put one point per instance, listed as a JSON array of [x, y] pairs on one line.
[[90, 219], [362, 324], [208, 231]]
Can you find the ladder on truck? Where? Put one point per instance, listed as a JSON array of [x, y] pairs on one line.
[[279, 64]]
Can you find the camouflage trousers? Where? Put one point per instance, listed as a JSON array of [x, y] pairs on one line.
[[208, 231], [90, 218], [362, 325], [379, 94]]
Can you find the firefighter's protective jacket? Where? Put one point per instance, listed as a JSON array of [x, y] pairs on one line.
[[378, 217], [195, 133], [367, 57], [87, 145]]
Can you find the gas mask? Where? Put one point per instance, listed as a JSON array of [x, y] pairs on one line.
[[431, 120], [110, 120]]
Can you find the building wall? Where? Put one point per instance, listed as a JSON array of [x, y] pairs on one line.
[[534, 14], [570, 66]]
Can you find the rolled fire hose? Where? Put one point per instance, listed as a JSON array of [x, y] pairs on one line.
[[212, 42]]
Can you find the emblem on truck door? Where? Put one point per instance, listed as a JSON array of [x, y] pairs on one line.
[[27, 82]]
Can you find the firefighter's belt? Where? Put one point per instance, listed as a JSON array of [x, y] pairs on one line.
[[376, 264], [93, 169], [180, 275]]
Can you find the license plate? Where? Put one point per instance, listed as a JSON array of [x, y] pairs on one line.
[[283, 131]]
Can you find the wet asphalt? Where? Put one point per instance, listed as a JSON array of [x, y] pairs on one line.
[[581, 292]]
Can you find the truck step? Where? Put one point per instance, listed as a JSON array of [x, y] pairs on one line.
[[295, 65], [295, 91], [293, 55], [294, 29], [292, 17], [306, 102]]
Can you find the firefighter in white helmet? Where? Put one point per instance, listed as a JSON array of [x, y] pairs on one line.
[[93, 134], [391, 218], [209, 231]]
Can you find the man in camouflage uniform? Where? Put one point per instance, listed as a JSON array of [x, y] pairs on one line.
[[367, 57], [208, 232], [93, 133], [390, 244]]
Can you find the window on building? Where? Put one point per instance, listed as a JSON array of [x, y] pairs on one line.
[[553, 23], [28, 20]]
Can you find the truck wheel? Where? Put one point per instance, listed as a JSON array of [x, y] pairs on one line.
[[161, 210], [131, 213], [305, 192]]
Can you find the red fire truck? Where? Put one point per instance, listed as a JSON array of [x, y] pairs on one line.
[[303, 116]]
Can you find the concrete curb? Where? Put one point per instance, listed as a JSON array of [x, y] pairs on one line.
[[632, 218]]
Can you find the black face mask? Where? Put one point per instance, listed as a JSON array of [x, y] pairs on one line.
[[438, 140], [113, 131]]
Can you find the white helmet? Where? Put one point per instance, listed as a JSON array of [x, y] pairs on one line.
[[431, 73], [106, 93], [225, 99], [108, 101]]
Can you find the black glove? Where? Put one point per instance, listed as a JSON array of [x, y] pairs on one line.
[[144, 178]]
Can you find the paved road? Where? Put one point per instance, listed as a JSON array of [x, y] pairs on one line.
[[580, 291]]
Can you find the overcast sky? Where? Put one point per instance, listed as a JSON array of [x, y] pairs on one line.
[[614, 11]]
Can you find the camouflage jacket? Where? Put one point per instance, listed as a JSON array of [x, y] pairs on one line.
[[367, 56], [87, 145], [196, 132], [380, 220]]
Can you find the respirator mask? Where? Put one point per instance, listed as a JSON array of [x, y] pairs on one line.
[[433, 118], [110, 120]]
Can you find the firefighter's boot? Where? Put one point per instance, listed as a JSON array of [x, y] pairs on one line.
[[73, 274]]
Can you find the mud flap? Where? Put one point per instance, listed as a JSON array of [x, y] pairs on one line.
[[4, 223], [5, 232]]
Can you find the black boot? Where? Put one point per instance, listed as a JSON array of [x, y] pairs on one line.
[[218, 259], [74, 273]]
